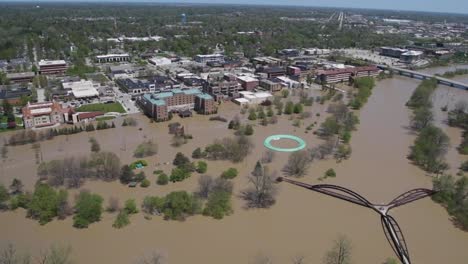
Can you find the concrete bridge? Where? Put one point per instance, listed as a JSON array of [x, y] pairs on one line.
[[421, 75]]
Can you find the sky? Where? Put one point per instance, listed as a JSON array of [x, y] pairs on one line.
[[452, 6]]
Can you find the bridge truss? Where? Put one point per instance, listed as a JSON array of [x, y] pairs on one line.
[[390, 226]]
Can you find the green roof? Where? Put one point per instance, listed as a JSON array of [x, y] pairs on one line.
[[192, 91], [205, 96], [153, 100]]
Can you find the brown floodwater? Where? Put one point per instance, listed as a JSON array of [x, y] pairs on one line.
[[300, 223]]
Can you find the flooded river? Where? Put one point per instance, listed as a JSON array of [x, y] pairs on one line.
[[301, 223]]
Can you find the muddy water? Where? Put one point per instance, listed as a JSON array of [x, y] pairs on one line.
[[300, 223]]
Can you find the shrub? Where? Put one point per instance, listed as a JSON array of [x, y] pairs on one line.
[[179, 174], [202, 167], [88, 209], [218, 205], [180, 204], [146, 149], [43, 205], [145, 183], [122, 220], [163, 179], [230, 173], [198, 153], [330, 173], [130, 207]]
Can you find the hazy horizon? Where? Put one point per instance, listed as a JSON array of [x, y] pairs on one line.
[[448, 6]]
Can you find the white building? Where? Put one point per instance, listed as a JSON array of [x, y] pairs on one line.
[[209, 58], [82, 89], [289, 82], [113, 58], [251, 98], [160, 61]]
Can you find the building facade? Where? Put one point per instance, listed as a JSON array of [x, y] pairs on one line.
[[112, 58], [47, 67], [209, 58], [160, 105], [344, 75], [44, 114], [222, 90]]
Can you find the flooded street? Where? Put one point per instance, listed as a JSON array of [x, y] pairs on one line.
[[301, 223]]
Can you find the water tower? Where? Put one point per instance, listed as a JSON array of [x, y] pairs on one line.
[[183, 18]]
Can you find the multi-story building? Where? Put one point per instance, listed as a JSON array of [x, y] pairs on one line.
[[247, 83], [392, 52], [273, 71], [209, 58], [221, 90], [45, 114], [21, 77], [272, 85], [52, 67], [159, 105], [113, 58], [343, 75]]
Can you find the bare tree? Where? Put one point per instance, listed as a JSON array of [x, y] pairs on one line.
[[9, 255], [340, 253], [268, 156], [155, 258], [114, 204], [261, 259], [56, 255], [298, 260], [262, 190], [205, 185], [298, 163]]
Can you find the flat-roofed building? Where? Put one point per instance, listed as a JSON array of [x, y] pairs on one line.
[[13, 94], [252, 98], [209, 58], [392, 52], [82, 89], [52, 67], [248, 83], [222, 90], [343, 75], [113, 58], [160, 61], [159, 105], [272, 85], [21, 77], [44, 114]]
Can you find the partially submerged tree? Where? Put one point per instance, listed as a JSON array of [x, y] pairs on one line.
[[262, 190], [340, 252], [298, 163]]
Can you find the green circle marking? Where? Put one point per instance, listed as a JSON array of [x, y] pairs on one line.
[[301, 143]]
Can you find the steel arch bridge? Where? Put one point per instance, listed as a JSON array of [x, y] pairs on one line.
[[390, 226]]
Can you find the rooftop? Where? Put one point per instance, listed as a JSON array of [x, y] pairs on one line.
[[51, 62]]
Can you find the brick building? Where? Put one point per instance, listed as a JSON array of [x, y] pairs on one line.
[[159, 105], [247, 83], [52, 67], [343, 75], [221, 90]]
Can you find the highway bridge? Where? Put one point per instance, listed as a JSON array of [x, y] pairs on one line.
[[421, 75]]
